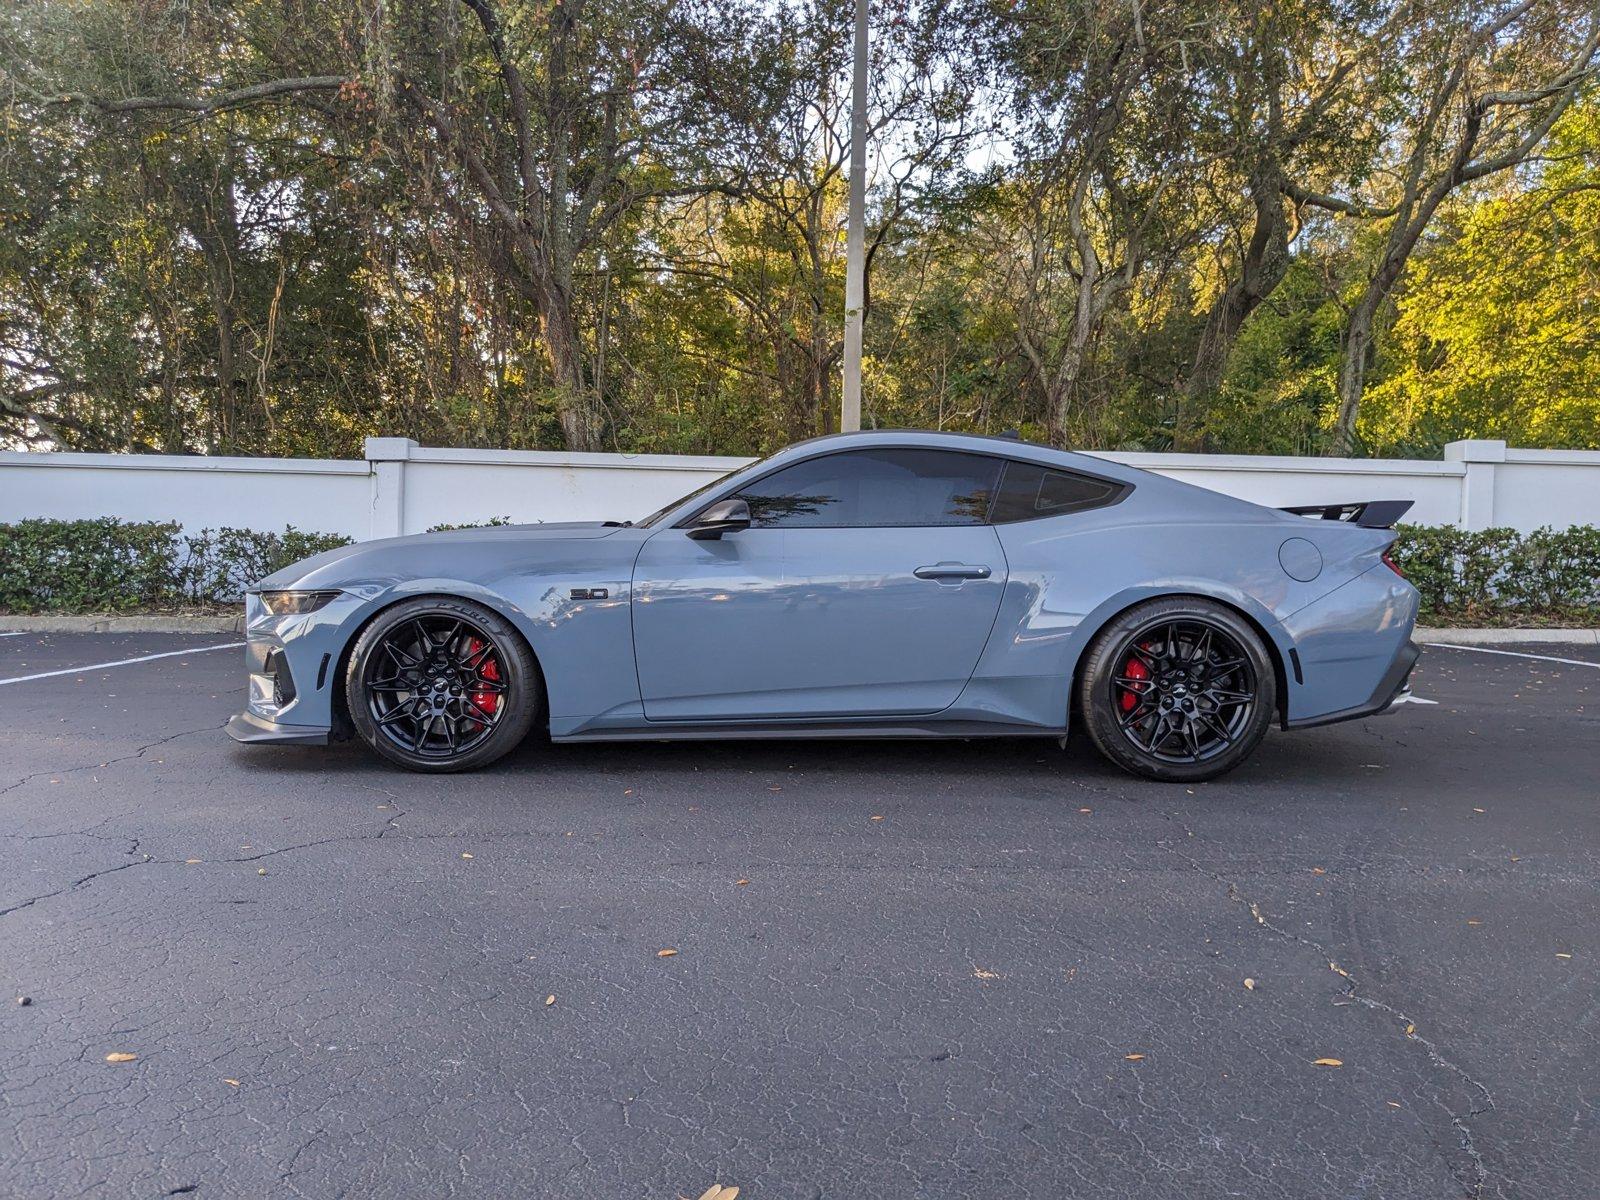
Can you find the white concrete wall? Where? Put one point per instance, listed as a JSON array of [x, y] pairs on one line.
[[402, 488]]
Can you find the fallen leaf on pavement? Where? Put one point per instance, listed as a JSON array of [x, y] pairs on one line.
[[980, 973], [1133, 1057], [667, 953], [549, 1000], [1319, 871], [1249, 985], [1561, 955], [464, 854], [1328, 1062], [717, 1192], [877, 818], [1410, 1029], [120, 1056], [741, 883], [231, 1082], [1086, 810]]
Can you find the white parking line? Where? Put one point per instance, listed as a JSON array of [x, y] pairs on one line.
[[1571, 662], [1408, 698], [19, 633], [121, 662]]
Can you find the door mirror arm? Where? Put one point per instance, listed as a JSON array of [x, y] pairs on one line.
[[725, 516]]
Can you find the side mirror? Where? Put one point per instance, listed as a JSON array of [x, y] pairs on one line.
[[725, 516]]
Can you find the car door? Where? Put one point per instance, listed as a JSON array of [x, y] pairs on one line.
[[865, 586]]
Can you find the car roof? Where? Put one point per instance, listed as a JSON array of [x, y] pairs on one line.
[[982, 443]]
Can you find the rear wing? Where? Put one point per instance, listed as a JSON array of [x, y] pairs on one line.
[[1369, 514]]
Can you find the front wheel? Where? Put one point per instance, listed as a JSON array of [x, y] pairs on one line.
[[1179, 689], [438, 684]]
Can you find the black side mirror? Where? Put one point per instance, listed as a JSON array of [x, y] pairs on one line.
[[725, 516]]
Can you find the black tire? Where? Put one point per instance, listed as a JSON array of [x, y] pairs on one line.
[[1179, 689], [438, 684]]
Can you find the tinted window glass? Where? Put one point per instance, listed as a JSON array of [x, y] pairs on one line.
[[1031, 491], [876, 488]]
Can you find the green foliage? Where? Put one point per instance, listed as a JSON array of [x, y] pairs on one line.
[[218, 564], [1278, 391], [107, 565], [491, 523], [1483, 574], [103, 565], [287, 277]]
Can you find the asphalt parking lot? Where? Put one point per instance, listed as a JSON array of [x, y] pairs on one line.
[[902, 969]]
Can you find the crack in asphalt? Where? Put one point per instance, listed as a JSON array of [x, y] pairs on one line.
[[389, 826], [1351, 989], [137, 754]]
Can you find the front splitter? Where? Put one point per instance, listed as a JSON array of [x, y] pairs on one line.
[[250, 729]]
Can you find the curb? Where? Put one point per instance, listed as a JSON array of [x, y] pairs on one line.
[[62, 623], [1502, 637]]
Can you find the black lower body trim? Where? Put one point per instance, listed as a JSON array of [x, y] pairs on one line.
[[889, 729], [250, 729]]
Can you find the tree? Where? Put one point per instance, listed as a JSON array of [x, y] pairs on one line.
[[1490, 84], [558, 119], [1495, 333]]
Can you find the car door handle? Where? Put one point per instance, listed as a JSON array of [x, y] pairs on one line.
[[952, 570]]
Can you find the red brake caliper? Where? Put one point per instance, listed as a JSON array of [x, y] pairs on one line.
[[490, 669], [1134, 668]]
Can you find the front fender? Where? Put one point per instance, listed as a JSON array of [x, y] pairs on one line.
[[584, 646]]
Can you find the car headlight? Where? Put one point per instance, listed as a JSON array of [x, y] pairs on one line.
[[282, 604]]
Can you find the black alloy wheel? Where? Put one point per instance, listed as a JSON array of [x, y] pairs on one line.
[[439, 684], [1178, 689]]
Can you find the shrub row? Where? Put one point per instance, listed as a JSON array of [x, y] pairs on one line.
[[108, 565], [1487, 573]]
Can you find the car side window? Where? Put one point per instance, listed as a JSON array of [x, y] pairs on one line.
[[898, 486], [1030, 490]]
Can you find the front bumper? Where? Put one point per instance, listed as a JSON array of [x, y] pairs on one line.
[[291, 662], [249, 728], [1390, 688]]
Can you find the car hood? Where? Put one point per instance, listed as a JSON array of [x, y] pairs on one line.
[[451, 552]]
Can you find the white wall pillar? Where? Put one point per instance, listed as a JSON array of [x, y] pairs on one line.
[[1480, 457], [386, 459]]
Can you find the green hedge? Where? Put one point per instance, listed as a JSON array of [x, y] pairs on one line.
[[108, 565], [112, 566], [1480, 575]]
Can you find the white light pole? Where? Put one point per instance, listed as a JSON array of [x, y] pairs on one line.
[[855, 236]]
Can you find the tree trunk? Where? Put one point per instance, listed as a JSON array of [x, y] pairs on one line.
[[579, 408], [1353, 372], [1265, 263], [1061, 389]]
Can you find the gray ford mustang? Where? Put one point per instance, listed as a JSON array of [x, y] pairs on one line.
[[894, 584]]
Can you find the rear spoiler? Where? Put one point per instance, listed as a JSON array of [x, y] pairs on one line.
[[1369, 514]]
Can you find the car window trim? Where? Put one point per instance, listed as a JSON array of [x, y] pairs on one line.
[[1124, 488]]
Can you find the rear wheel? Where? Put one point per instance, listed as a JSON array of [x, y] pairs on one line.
[[438, 684], [1178, 689]]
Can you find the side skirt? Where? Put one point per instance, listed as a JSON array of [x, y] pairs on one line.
[[811, 730]]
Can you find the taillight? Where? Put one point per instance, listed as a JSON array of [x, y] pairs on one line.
[[1388, 561]]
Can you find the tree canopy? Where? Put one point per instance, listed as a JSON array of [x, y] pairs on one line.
[[279, 226]]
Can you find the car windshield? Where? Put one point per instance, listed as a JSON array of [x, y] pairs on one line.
[[699, 491]]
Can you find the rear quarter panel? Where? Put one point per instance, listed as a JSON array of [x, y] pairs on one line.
[[1069, 575]]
